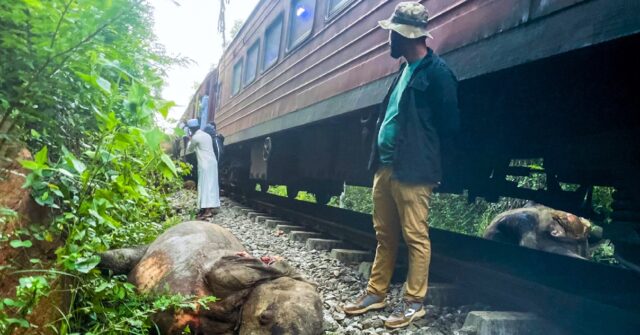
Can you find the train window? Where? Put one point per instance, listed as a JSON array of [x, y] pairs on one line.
[[251, 68], [218, 96], [237, 76], [272, 38], [335, 6], [301, 21]]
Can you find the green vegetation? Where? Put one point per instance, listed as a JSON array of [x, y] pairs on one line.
[[448, 211], [355, 198], [78, 85], [455, 212], [281, 190]]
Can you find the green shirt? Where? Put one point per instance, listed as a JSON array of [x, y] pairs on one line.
[[389, 127]]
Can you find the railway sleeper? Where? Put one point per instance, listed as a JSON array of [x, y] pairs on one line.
[[252, 215], [350, 256], [287, 228], [504, 323], [302, 236], [323, 244], [263, 218], [275, 222]]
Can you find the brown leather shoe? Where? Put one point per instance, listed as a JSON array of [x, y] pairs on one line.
[[365, 303]]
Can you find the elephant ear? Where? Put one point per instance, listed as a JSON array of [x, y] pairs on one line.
[[121, 261], [234, 273], [576, 227]]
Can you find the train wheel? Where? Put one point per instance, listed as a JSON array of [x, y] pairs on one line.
[[322, 198], [292, 191], [264, 187], [239, 180]]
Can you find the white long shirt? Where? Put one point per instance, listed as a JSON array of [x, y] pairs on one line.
[[208, 188]]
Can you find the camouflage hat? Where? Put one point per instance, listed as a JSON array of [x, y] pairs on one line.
[[409, 19]]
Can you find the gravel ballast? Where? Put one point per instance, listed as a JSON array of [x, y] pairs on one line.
[[338, 283]]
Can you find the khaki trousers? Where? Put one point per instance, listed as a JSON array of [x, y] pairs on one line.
[[400, 208]]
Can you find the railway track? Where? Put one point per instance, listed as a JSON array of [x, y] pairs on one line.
[[577, 296]]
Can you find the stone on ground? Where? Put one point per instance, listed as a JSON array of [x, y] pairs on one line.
[[443, 294]]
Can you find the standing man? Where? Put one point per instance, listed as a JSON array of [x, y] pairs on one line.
[[419, 113], [208, 190]]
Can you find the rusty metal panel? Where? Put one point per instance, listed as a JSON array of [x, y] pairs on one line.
[[349, 51], [356, 99], [579, 26], [476, 20], [439, 8], [540, 8]]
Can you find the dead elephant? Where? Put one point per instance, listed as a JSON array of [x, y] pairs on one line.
[[543, 228], [258, 296]]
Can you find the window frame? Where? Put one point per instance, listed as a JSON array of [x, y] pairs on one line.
[[233, 76], [294, 45], [246, 83], [264, 67], [331, 14]]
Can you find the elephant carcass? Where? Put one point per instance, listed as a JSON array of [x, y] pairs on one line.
[[543, 228], [197, 258]]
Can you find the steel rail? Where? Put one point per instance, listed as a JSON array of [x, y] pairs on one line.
[[578, 296]]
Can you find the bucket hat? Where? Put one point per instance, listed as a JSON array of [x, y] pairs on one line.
[[409, 19]]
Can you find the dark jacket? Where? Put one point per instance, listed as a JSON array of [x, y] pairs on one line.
[[428, 116], [218, 141]]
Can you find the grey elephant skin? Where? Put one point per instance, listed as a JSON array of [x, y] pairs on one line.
[[544, 228], [197, 258]]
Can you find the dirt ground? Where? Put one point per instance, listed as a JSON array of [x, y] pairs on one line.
[[14, 197]]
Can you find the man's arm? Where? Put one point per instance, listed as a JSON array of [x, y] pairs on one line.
[[447, 117], [191, 147], [446, 102]]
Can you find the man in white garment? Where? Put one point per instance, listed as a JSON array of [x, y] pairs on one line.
[[208, 189]]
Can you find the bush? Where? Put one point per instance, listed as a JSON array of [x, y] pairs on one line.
[[78, 84], [452, 212], [455, 213], [281, 190]]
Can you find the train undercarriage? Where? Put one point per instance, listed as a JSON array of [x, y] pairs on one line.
[[575, 112]]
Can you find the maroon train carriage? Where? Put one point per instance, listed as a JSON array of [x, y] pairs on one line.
[[547, 79]]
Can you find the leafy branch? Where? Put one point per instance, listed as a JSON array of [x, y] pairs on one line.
[[55, 32], [98, 163]]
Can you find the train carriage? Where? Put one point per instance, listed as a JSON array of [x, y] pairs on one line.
[[556, 80]]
